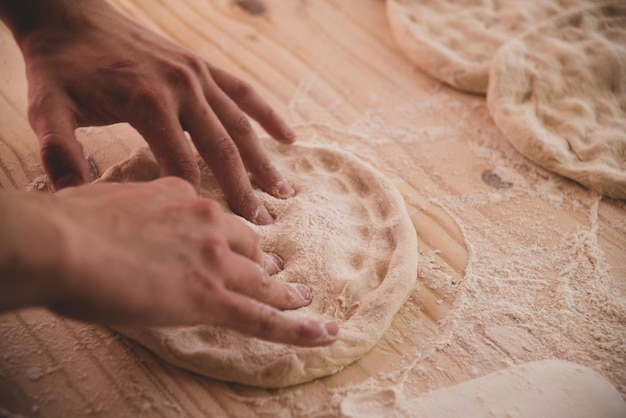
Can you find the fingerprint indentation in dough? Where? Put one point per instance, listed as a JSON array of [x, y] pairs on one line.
[[382, 266], [303, 165], [340, 185], [328, 161], [388, 239], [383, 209], [359, 211], [357, 260], [359, 185], [365, 232]]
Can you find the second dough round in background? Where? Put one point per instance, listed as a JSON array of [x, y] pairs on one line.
[[454, 41], [558, 94]]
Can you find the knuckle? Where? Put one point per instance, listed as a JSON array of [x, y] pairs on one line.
[[306, 330], [147, 97], [207, 209], [241, 125], [214, 249], [264, 282], [226, 149], [37, 105], [269, 113], [241, 91], [178, 184], [181, 76], [266, 323], [195, 63]]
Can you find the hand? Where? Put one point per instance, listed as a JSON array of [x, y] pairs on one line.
[[93, 66], [156, 254]]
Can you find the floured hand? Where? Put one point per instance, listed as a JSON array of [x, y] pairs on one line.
[[87, 64], [150, 254]]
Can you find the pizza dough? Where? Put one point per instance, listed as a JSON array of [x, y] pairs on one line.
[[454, 41], [346, 234], [558, 94]]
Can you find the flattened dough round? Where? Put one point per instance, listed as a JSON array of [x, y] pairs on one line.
[[454, 41], [558, 94], [346, 234]]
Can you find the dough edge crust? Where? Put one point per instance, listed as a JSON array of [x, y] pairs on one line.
[[435, 59]]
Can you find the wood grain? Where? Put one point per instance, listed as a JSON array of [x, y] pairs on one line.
[[330, 66]]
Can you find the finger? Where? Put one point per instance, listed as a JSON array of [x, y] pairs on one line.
[[238, 237], [61, 153], [250, 147], [222, 156], [168, 143], [245, 277], [241, 238], [262, 321], [250, 102]]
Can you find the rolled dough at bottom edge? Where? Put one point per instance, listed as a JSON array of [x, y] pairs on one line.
[[547, 388]]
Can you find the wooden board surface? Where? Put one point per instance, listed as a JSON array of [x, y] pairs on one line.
[[509, 253]]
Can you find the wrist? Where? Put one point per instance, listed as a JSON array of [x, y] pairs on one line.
[[32, 250], [47, 18]]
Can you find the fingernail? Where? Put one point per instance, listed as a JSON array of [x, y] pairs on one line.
[[278, 262], [304, 291], [284, 189], [273, 263], [262, 216], [331, 328], [289, 133]]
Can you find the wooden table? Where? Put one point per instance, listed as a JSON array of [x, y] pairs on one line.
[[509, 253]]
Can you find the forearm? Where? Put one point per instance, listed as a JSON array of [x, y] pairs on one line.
[[24, 17], [31, 250]]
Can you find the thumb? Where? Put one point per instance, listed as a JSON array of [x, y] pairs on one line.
[[61, 153]]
